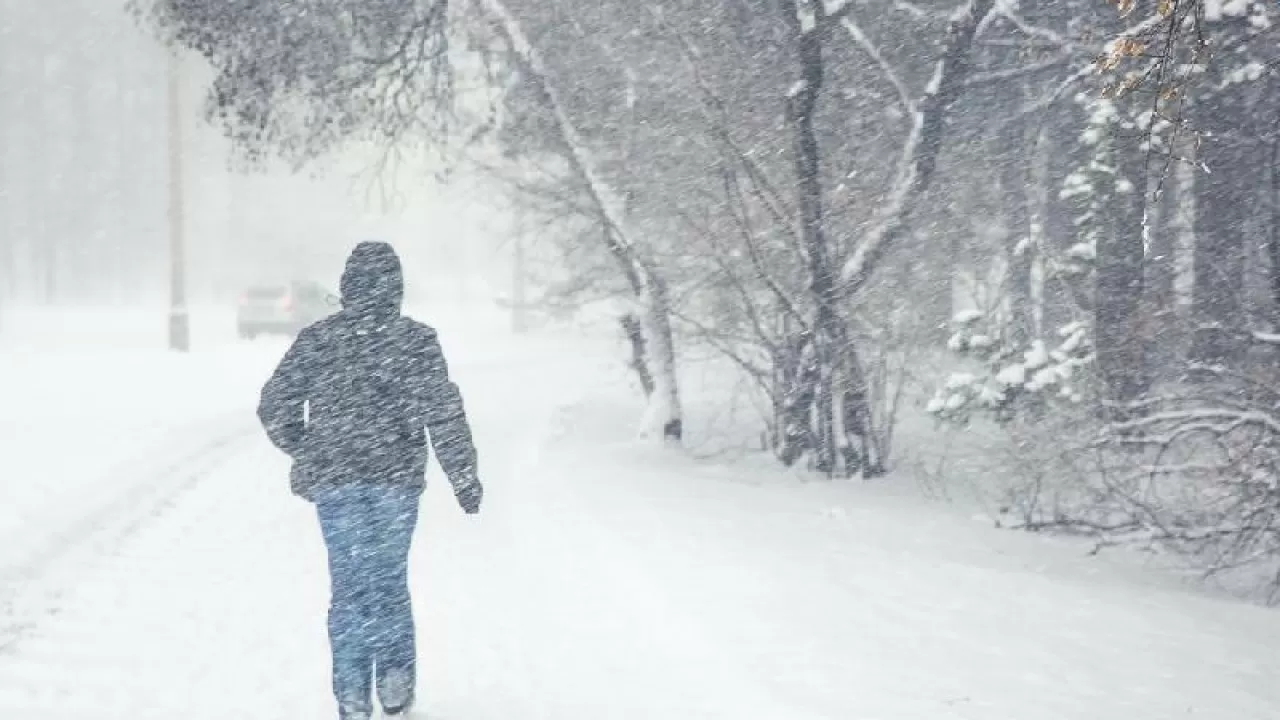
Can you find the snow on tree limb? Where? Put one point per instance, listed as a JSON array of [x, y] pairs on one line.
[[1267, 338], [1087, 70], [718, 121], [662, 418], [1218, 419], [870, 48], [297, 80], [991, 77], [919, 155], [609, 203], [1009, 11]]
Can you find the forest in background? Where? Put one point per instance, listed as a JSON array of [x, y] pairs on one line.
[[1057, 220], [85, 170]]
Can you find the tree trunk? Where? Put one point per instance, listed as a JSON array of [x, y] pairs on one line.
[[17, 147], [47, 236], [1184, 175], [829, 372], [799, 371], [1221, 212], [801, 104], [1119, 334], [862, 449], [1066, 297], [633, 330], [1013, 179], [1038, 207], [663, 416], [1160, 294], [928, 271], [9, 116], [1273, 228], [1171, 261], [919, 156]]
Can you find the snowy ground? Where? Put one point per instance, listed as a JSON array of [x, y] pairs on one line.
[[153, 565]]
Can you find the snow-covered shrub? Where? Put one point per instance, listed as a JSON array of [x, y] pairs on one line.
[[1012, 380], [1193, 474], [1032, 469], [1199, 474]]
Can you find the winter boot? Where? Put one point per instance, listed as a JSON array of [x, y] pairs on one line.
[[395, 691], [354, 710]]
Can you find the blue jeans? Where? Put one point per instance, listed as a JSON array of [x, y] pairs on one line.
[[368, 530]]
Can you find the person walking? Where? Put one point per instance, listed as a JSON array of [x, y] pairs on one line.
[[352, 402]]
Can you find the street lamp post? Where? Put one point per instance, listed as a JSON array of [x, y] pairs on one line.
[[179, 319], [519, 320]]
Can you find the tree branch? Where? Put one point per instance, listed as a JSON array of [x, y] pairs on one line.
[[869, 47], [919, 156]]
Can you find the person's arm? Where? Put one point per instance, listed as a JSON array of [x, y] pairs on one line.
[[446, 421], [281, 406]]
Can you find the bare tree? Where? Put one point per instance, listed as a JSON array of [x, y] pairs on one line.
[[652, 341]]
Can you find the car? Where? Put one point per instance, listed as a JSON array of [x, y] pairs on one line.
[[282, 309]]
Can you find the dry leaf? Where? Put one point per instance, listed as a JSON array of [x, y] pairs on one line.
[[1128, 85], [1107, 62], [1129, 47]]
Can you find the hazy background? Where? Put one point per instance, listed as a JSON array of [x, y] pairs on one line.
[[84, 184]]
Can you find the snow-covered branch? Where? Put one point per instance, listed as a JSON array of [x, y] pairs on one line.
[[919, 154], [607, 200], [1006, 10], [663, 417], [1013, 73], [1267, 338], [835, 9], [1221, 420], [1015, 380], [870, 48], [762, 188], [1089, 69], [740, 218]]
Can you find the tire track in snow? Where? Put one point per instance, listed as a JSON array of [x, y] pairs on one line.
[[30, 589], [214, 608]]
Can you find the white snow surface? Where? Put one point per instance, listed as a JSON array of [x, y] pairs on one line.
[[154, 565], [1015, 374]]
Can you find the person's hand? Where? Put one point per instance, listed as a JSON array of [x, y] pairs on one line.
[[469, 493]]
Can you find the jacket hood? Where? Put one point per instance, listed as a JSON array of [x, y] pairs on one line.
[[373, 281]]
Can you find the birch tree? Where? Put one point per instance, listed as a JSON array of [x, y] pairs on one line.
[[656, 354]]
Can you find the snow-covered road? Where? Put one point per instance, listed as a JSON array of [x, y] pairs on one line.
[[602, 581]]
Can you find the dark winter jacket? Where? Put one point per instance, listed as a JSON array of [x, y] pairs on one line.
[[353, 399]]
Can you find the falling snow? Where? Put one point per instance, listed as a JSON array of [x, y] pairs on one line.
[[596, 359]]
